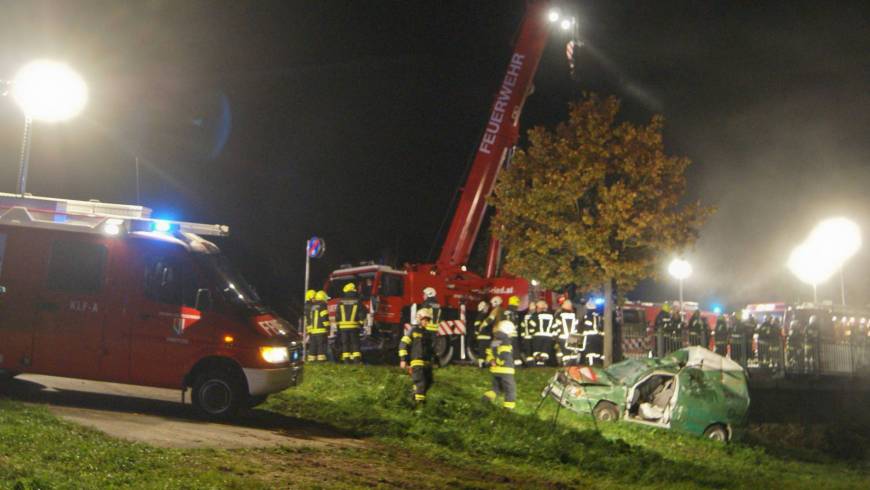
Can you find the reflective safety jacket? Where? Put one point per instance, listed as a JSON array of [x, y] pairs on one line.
[[500, 354], [418, 345], [495, 315], [437, 311], [318, 319], [566, 324], [350, 313], [542, 324], [721, 332], [482, 328]]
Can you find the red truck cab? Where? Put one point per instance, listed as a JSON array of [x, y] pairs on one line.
[[104, 292]]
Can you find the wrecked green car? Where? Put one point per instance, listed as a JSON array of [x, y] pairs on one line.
[[691, 390]]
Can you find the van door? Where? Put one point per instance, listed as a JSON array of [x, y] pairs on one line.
[[165, 326], [71, 308], [16, 302]]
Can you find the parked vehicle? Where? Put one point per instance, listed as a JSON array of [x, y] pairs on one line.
[[104, 292], [692, 390]]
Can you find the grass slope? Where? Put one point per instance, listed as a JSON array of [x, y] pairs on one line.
[[455, 425]]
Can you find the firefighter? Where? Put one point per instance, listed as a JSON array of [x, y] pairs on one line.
[[501, 365], [593, 341], [774, 343], [350, 314], [306, 306], [763, 331], [526, 334], [430, 301], [564, 326], [697, 330], [417, 351], [794, 350], [663, 328], [496, 314], [483, 332], [542, 324], [318, 328], [811, 345], [748, 331], [720, 335], [512, 314]]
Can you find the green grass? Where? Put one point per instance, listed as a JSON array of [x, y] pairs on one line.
[[456, 441]]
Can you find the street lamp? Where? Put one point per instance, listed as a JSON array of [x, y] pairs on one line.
[[841, 239], [680, 270], [46, 91]]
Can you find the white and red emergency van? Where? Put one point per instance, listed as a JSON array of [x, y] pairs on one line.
[[104, 292]]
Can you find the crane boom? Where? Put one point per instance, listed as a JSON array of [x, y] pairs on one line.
[[499, 137]]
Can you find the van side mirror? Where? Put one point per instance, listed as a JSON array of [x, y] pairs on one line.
[[203, 299]]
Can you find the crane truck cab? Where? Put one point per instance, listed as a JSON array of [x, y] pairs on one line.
[[104, 292]]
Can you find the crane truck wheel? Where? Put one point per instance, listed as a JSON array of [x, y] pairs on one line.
[[444, 349]]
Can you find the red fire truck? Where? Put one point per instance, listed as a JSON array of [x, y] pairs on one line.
[[104, 292], [391, 291]]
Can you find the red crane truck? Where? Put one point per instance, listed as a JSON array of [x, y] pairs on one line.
[[104, 292], [391, 291]]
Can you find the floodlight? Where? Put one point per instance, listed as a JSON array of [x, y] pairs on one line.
[[49, 91], [680, 269]]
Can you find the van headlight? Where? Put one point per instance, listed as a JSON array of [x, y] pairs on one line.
[[275, 355]]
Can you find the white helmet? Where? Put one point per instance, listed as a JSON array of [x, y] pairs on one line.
[[506, 327], [495, 301], [483, 307], [429, 293]]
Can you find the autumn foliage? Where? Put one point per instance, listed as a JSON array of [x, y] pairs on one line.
[[594, 199]]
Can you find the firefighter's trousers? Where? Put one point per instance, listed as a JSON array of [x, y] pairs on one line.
[[721, 347], [517, 348], [422, 378], [506, 386], [316, 347], [483, 342], [542, 349], [528, 351], [350, 345]]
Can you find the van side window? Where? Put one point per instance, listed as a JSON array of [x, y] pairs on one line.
[[168, 281], [76, 267]]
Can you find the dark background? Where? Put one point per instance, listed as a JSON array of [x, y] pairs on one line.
[[355, 120]]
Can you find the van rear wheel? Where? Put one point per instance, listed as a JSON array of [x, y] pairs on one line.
[[218, 394]]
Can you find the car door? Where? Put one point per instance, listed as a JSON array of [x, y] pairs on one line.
[[70, 307], [163, 313]]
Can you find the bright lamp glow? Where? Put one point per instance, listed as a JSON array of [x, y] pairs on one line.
[[275, 355], [162, 226], [812, 264], [840, 237], [49, 91], [680, 269], [553, 15], [565, 24]]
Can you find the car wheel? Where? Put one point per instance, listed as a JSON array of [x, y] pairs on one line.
[[218, 394], [605, 412], [717, 432]]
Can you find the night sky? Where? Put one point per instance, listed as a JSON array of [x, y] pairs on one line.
[[355, 120]]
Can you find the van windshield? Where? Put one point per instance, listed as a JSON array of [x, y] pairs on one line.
[[233, 286]]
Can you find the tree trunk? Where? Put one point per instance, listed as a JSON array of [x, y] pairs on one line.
[[608, 322]]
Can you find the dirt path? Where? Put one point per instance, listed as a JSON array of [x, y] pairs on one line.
[[156, 416]]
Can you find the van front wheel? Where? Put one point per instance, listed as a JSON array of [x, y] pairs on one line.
[[218, 395]]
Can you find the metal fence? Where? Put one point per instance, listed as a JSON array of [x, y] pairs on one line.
[[824, 357]]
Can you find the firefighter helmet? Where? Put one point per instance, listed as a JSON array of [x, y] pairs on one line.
[[506, 327], [321, 296], [349, 288], [514, 301], [483, 307], [429, 293], [309, 295], [495, 301], [424, 313], [666, 307]]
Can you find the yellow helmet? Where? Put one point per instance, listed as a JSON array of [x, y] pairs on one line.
[[321, 296], [349, 288], [666, 307], [309, 295], [424, 313], [514, 301]]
